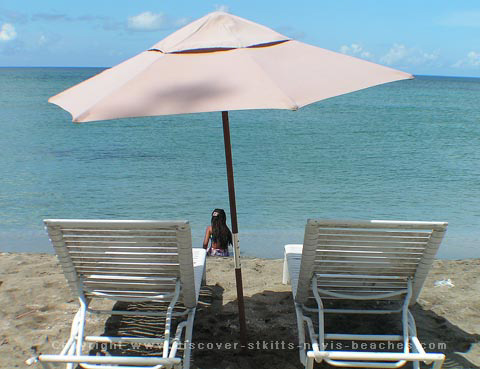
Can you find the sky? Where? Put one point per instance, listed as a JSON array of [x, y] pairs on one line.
[[422, 37]]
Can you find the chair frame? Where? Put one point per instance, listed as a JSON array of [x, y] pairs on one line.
[[84, 287], [407, 295]]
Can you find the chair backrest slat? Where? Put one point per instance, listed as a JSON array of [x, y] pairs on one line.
[[124, 249], [373, 250]]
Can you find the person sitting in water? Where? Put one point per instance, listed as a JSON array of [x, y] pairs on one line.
[[218, 235]]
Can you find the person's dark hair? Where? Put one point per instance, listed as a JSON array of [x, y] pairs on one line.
[[220, 232]]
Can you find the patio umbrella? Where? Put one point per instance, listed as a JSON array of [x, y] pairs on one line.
[[221, 62]]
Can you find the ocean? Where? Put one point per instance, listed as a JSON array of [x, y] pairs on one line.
[[408, 150]]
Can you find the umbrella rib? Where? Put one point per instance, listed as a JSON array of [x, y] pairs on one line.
[[294, 105]]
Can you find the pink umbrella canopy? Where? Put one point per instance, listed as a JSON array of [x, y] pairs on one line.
[[221, 62]]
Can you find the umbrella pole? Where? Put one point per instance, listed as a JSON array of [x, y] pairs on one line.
[[233, 215]]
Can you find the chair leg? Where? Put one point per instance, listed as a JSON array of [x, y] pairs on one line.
[[310, 360], [188, 339], [301, 334], [81, 326], [286, 274]]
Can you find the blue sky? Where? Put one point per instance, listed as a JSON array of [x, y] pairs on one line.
[[434, 37]]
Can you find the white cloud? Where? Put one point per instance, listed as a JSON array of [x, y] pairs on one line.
[[396, 54], [222, 8], [356, 50], [422, 57], [471, 60], [400, 53], [7, 32], [147, 21]]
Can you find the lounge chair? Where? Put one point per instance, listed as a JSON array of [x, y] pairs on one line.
[[361, 267], [140, 262]]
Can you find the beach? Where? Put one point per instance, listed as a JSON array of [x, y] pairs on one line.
[[37, 309]]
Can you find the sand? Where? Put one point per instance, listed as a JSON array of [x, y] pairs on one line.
[[37, 309]]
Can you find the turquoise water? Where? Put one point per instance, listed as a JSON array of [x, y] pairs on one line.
[[405, 150]]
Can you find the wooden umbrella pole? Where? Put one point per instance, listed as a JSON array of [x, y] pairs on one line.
[[233, 215]]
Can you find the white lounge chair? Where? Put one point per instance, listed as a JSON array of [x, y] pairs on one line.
[[129, 261], [381, 264]]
